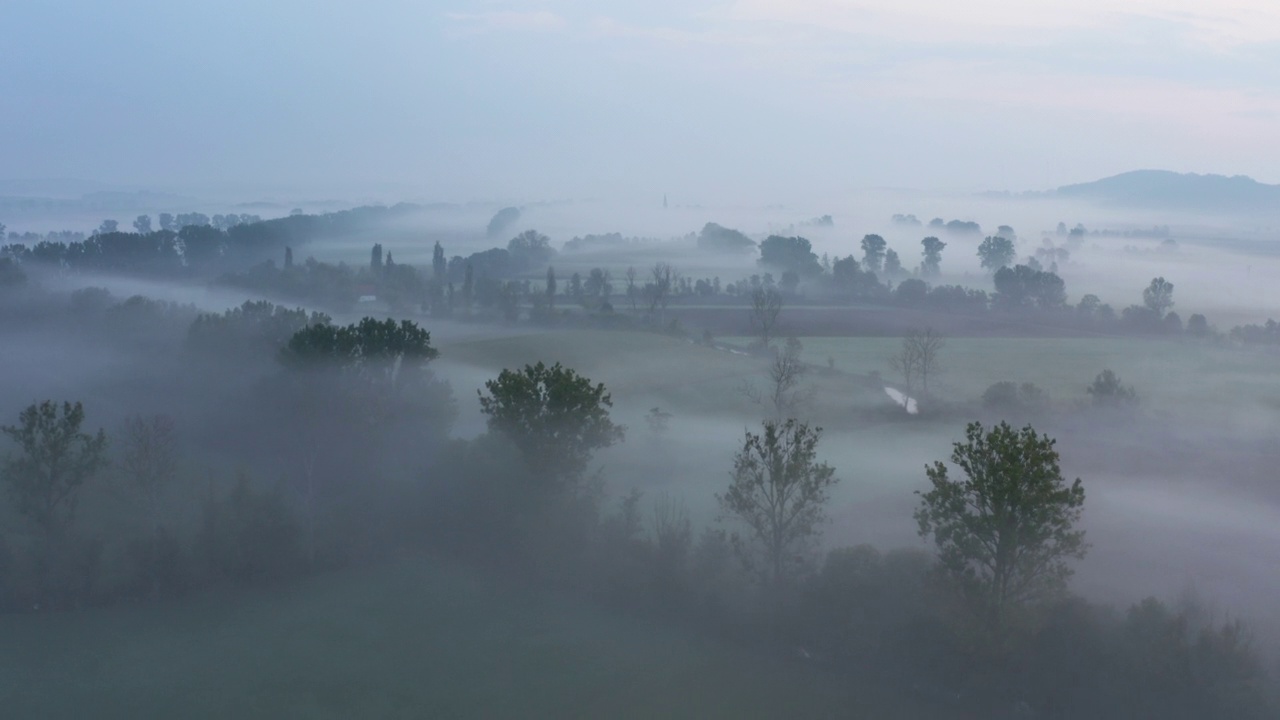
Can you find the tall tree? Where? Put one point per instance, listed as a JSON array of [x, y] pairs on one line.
[[53, 462], [1006, 533], [633, 291], [1158, 296], [873, 252], [892, 264], [142, 224], [766, 305], [439, 265], [779, 492], [996, 252], [930, 265], [554, 416], [551, 288], [919, 358], [659, 289]]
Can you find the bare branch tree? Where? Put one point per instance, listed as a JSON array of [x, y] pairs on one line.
[[766, 305], [918, 358], [658, 290], [783, 395]]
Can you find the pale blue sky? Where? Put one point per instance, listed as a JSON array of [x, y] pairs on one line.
[[707, 100]]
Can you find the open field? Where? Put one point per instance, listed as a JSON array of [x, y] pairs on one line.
[[408, 639]]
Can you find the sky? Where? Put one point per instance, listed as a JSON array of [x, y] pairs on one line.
[[707, 101]]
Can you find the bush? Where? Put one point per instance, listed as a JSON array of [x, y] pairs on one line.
[[1007, 396]]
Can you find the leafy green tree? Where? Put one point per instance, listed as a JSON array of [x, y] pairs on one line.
[[53, 462], [996, 252], [873, 252], [1158, 296], [1006, 532], [930, 265], [556, 418], [780, 492], [551, 288]]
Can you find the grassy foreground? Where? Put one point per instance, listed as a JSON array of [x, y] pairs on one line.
[[409, 639]]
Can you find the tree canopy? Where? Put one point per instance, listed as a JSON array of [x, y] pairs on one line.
[[779, 491], [556, 418], [1006, 532], [790, 253], [996, 252], [54, 460]]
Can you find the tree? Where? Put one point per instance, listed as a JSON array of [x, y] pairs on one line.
[[142, 224], [716, 238], [658, 420], [632, 289], [658, 290], [598, 285], [782, 396], [555, 417], [996, 252], [1158, 296], [375, 259], [892, 264], [873, 252], [1197, 326], [1023, 286], [531, 249], [930, 265], [439, 266], [779, 491], [1006, 532], [354, 397], [503, 219], [468, 288], [550, 289], [790, 253], [766, 305], [918, 358], [149, 459], [54, 461], [1107, 391]]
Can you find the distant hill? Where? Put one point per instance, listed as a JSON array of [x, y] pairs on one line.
[[1162, 189]]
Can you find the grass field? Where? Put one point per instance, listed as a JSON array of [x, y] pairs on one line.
[[409, 639]]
